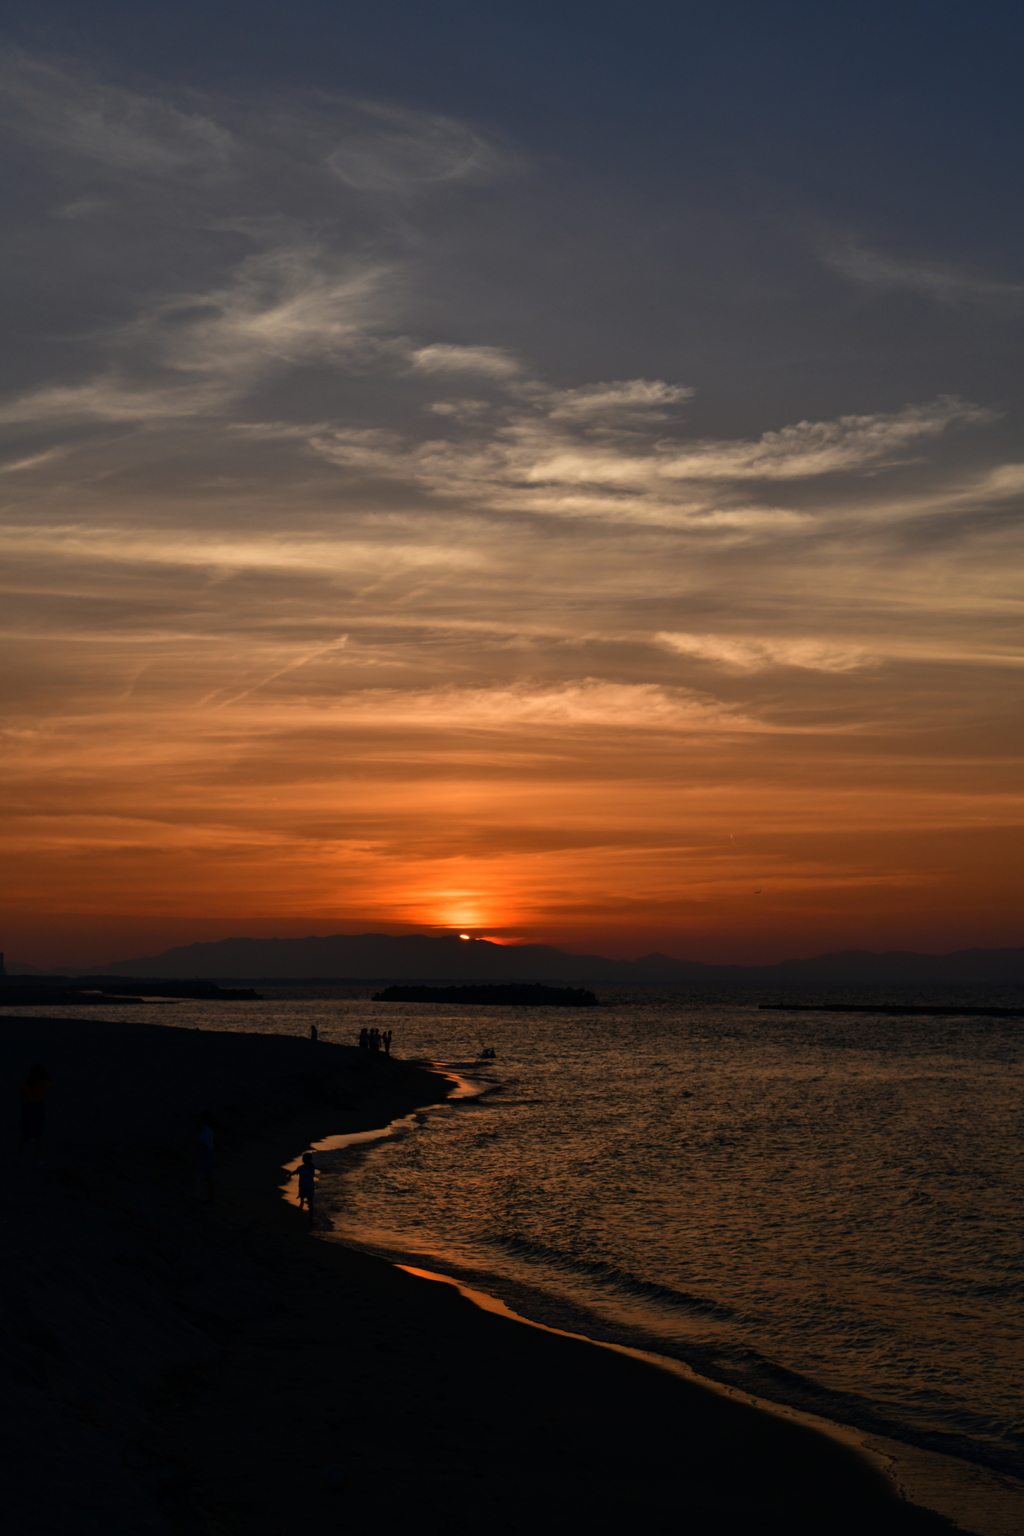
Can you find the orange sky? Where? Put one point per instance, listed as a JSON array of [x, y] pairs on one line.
[[328, 609], [618, 818]]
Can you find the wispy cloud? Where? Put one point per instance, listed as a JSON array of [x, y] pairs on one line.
[[193, 353], [84, 543], [545, 457], [627, 399], [396, 150], [934, 280], [740, 654], [811, 448], [586, 703], [441, 357], [33, 461], [111, 398], [282, 306], [120, 130]]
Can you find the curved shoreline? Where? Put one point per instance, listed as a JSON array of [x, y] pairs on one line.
[[216, 1371], [988, 1501], [953, 1488]]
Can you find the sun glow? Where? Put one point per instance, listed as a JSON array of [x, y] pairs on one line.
[[460, 917]]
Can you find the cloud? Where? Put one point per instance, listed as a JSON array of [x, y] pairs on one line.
[[739, 654], [110, 398], [588, 702], [33, 461], [811, 448], [284, 306], [83, 208], [196, 353], [625, 399], [441, 357], [118, 129], [597, 451], [80, 543], [931, 279], [459, 410], [529, 458], [394, 150], [1004, 480]]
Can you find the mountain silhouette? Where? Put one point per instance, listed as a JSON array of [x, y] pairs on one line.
[[422, 958]]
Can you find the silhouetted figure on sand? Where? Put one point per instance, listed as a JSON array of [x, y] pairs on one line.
[[307, 1184], [374, 1039], [364, 1039], [33, 1106], [385, 1040], [207, 1190], [312, 1033]]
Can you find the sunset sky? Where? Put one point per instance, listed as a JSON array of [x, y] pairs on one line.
[[549, 471]]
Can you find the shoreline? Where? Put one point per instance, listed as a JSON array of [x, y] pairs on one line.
[[980, 1499], [980, 1496], [233, 1376], [977, 1499]]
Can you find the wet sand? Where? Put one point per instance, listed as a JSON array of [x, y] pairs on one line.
[[184, 1368]]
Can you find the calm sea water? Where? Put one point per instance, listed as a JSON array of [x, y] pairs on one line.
[[823, 1209]]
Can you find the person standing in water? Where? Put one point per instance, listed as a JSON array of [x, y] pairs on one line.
[[307, 1184], [33, 1105]]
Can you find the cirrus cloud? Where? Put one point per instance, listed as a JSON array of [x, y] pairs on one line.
[[741, 654], [396, 150], [578, 703], [935, 280], [534, 455], [121, 131]]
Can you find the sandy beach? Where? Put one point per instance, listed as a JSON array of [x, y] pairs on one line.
[[175, 1367]]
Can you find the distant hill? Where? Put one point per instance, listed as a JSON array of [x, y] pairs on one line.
[[366, 956], [419, 958]]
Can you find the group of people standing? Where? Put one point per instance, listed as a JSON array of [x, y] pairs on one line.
[[375, 1040]]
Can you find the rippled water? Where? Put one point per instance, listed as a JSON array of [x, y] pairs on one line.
[[822, 1208], [825, 1209]]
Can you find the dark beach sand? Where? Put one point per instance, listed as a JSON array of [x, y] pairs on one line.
[[178, 1368]]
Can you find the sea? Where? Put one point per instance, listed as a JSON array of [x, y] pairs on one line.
[[820, 1210]]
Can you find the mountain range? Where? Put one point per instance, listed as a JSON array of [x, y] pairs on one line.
[[420, 958]]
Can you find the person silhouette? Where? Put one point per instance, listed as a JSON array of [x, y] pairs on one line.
[[32, 1096], [307, 1184]]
